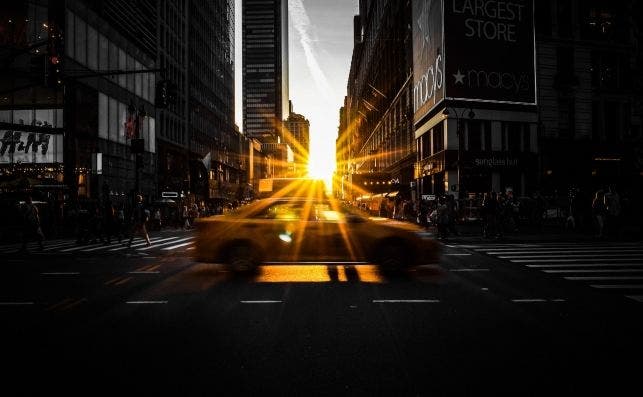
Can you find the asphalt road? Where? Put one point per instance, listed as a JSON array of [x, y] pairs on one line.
[[525, 319]]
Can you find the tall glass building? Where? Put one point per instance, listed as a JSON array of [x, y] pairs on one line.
[[265, 68]]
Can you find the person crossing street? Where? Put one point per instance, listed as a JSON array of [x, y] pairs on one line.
[[139, 219]]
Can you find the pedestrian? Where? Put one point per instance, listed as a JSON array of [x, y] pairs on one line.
[[109, 221], [31, 225], [186, 217], [613, 213], [442, 218], [139, 219], [156, 219], [120, 224], [599, 211], [452, 212]]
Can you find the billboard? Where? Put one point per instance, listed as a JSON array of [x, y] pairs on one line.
[[473, 50], [30, 147], [490, 51], [428, 56]]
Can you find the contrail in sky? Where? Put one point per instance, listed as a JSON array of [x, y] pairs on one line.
[[301, 22]]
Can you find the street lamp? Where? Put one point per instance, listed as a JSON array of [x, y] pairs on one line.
[[458, 119]]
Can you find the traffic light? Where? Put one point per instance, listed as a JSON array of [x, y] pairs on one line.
[[55, 56], [161, 97], [166, 94]]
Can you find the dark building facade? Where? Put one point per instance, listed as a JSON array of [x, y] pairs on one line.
[[590, 95], [91, 113], [265, 68], [539, 96], [216, 147], [297, 136], [376, 132]]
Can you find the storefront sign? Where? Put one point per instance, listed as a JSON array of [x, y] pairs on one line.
[[428, 56], [490, 49], [169, 194], [473, 50], [495, 162], [30, 147]]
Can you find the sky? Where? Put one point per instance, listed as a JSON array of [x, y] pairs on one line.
[[320, 46]]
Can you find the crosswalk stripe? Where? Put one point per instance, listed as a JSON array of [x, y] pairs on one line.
[[178, 246], [638, 298], [618, 286], [569, 256], [567, 260], [140, 244], [581, 271], [586, 265], [549, 251], [166, 243], [118, 244], [607, 278], [81, 247]]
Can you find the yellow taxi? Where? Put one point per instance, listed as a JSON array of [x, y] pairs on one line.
[[295, 228]]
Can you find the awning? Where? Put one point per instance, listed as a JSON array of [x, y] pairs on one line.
[[392, 194], [364, 197]]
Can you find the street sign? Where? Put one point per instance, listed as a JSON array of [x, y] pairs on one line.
[[428, 197], [169, 194]]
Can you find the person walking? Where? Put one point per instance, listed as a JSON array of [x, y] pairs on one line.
[[31, 225], [599, 211], [139, 219]]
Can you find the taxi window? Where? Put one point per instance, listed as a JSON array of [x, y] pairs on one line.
[[304, 210]]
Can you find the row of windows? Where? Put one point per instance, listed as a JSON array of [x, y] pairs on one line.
[[34, 117], [95, 51], [112, 119]]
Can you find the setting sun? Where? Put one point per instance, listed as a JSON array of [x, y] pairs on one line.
[[321, 164]]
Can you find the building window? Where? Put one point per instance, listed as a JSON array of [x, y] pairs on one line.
[[474, 136], [438, 138]]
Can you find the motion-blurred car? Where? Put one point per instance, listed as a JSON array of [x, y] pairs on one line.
[[310, 229]]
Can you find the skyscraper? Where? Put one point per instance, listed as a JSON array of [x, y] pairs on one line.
[[265, 68], [297, 136]]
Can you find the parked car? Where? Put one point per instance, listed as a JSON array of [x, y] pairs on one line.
[[296, 229]]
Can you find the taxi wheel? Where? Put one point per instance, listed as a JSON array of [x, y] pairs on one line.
[[242, 258], [392, 256]]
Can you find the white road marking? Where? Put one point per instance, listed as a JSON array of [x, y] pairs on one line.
[[314, 262], [484, 289], [15, 303], [565, 257], [155, 272], [528, 300], [598, 278], [469, 270], [565, 251], [165, 243], [618, 286], [141, 244], [60, 274], [568, 260], [406, 301], [594, 271], [190, 249], [80, 247], [638, 298], [457, 254], [121, 244], [178, 246], [586, 265], [264, 301], [146, 302]]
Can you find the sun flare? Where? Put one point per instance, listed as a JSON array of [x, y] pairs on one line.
[[322, 167]]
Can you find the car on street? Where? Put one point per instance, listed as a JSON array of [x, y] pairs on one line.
[[311, 229]]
